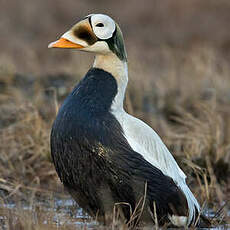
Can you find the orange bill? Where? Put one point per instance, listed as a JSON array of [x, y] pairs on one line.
[[64, 43]]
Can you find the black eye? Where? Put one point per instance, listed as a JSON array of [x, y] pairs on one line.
[[100, 25]]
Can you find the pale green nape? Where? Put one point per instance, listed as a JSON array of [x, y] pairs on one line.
[[116, 44]]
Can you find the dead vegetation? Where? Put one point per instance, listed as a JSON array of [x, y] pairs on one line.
[[179, 84], [195, 126]]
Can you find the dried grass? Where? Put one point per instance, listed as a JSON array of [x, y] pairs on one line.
[[179, 84], [196, 130]]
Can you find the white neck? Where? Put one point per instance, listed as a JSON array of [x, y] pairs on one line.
[[119, 69]]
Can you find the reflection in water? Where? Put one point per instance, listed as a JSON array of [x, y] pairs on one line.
[[53, 212]]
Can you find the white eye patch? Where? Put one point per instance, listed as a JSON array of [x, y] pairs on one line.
[[103, 26]]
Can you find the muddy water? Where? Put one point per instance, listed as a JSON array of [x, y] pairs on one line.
[[50, 213]]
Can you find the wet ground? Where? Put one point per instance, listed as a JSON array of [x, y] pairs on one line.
[[54, 212]]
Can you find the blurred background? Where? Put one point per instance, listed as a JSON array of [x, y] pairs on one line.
[[179, 83]]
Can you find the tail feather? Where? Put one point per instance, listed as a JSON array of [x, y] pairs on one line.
[[204, 222], [193, 205]]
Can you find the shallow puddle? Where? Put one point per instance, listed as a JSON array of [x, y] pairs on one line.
[[53, 212]]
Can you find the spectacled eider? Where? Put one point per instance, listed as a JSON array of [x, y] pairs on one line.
[[102, 154]]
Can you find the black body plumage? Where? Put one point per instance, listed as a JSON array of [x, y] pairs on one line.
[[95, 162]]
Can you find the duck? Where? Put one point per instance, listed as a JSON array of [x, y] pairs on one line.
[[103, 155]]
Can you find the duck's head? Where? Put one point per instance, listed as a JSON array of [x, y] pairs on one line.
[[97, 33]]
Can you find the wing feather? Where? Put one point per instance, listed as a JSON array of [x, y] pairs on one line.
[[144, 140]]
